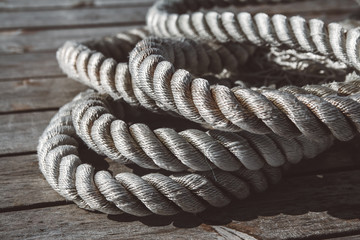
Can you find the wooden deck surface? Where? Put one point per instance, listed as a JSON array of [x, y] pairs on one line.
[[318, 199]]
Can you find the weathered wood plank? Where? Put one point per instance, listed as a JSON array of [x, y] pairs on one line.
[[20, 176], [353, 237], [123, 15], [68, 222], [23, 131], [342, 155], [317, 206], [297, 208], [35, 94], [22, 184], [73, 17], [300, 6], [29, 65], [20, 132], [6, 5], [20, 41]]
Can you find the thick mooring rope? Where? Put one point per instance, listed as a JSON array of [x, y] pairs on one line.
[[244, 156], [253, 132], [158, 81], [170, 19], [103, 65]]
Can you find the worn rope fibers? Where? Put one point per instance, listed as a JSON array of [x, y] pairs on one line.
[[171, 19], [155, 78], [89, 117], [165, 75]]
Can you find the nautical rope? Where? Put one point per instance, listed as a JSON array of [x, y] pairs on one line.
[[171, 19], [175, 151], [194, 78], [61, 164], [159, 82], [102, 64], [288, 111]]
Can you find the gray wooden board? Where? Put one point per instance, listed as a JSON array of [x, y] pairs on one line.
[[353, 237], [20, 132], [301, 7], [22, 184], [20, 176], [295, 7], [296, 208], [342, 155], [29, 65], [68, 222], [6, 5], [72, 17], [20, 41], [319, 198], [36, 94]]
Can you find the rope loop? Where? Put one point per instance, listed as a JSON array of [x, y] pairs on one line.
[[211, 167], [192, 65]]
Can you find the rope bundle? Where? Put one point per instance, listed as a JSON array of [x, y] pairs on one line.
[[252, 132]]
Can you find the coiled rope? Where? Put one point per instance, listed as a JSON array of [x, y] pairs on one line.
[[88, 118], [312, 110], [180, 76], [170, 19]]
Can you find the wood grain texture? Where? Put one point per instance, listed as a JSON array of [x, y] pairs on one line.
[[319, 198], [296, 208], [354, 237], [29, 65], [342, 155], [22, 41], [6, 5], [317, 206], [22, 184], [301, 7], [295, 7], [66, 222], [37, 94], [20, 132], [71, 18]]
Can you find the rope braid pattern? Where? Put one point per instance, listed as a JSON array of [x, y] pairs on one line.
[[190, 149], [199, 169], [102, 64], [313, 110], [170, 19], [59, 161]]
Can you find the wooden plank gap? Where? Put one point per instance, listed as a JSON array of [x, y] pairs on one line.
[[85, 25], [25, 153], [39, 5], [35, 206], [29, 111]]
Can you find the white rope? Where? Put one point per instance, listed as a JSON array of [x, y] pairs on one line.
[[243, 156], [176, 76]]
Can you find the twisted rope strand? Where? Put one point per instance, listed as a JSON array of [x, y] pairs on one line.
[[165, 148], [59, 161], [102, 64], [170, 19], [262, 111], [159, 86], [199, 169]]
